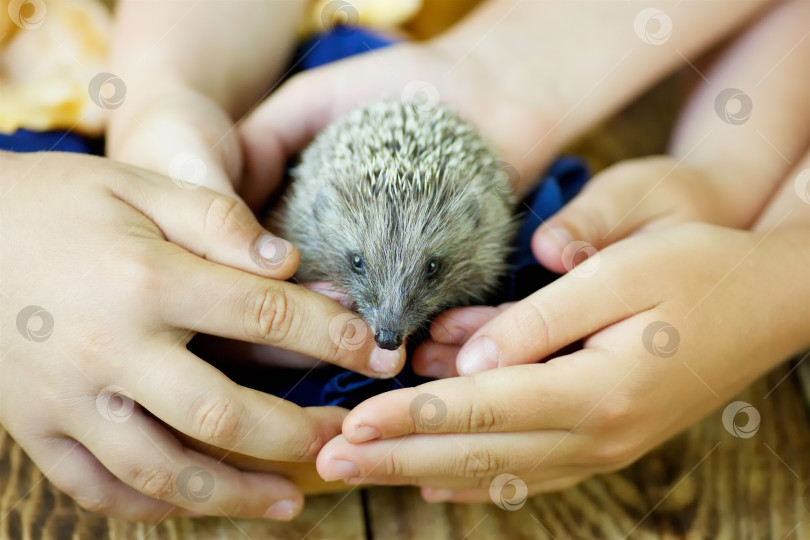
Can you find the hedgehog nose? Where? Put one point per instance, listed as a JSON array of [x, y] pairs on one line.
[[388, 339]]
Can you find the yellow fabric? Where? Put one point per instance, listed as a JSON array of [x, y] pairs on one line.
[[51, 49], [48, 55], [420, 19]]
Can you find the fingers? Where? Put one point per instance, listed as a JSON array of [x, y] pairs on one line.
[[221, 301], [464, 456], [557, 315], [75, 471], [217, 227], [332, 291], [455, 326], [431, 359], [437, 356], [145, 456], [540, 396], [219, 412], [614, 204]]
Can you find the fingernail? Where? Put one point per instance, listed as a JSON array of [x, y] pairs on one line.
[[478, 356], [560, 235], [384, 361], [435, 369], [439, 495], [363, 434], [284, 510], [341, 468], [273, 249]]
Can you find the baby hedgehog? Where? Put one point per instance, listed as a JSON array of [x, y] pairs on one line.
[[406, 208]]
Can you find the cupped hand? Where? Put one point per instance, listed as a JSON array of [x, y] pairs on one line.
[[107, 272], [446, 71], [674, 323]]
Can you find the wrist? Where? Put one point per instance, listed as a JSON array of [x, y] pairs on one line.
[[172, 123]]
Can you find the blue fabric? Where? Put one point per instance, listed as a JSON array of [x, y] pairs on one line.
[[24, 140], [333, 385]]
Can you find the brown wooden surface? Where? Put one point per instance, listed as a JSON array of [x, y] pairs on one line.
[[705, 483]]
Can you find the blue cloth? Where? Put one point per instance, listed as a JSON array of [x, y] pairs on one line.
[[333, 385], [24, 140]]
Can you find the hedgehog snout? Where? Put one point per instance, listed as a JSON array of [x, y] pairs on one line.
[[386, 320], [388, 338]]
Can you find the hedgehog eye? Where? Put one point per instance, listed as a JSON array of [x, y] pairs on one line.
[[432, 267], [358, 264]]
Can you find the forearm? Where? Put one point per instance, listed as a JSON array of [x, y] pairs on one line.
[[229, 51], [578, 62], [191, 69], [744, 145]]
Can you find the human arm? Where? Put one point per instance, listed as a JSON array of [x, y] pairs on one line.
[[531, 75], [191, 69], [733, 143]]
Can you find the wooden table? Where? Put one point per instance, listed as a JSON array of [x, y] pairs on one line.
[[705, 483]]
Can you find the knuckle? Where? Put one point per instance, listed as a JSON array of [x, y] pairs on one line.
[[219, 421], [222, 215], [154, 481], [482, 418], [534, 322], [93, 500], [477, 462], [393, 466], [615, 414], [589, 220], [139, 275], [269, 315], [306, 449]]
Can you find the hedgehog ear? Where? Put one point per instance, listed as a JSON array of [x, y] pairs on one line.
[[321, 204]]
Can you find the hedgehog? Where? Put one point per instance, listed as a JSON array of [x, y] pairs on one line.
[[406, 208]]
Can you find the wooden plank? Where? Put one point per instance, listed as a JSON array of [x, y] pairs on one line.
[[32, 508], [705, 483]]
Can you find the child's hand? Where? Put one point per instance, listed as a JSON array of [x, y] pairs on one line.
[[674, 323], [629, 197], [515, 122], [107, 272]]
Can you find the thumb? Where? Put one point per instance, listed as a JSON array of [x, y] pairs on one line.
[[217, 227], [279, 128], [614, 204], [282, 125]]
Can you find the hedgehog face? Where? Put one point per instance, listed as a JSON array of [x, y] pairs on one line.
[[406, 209], [403, 261]]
